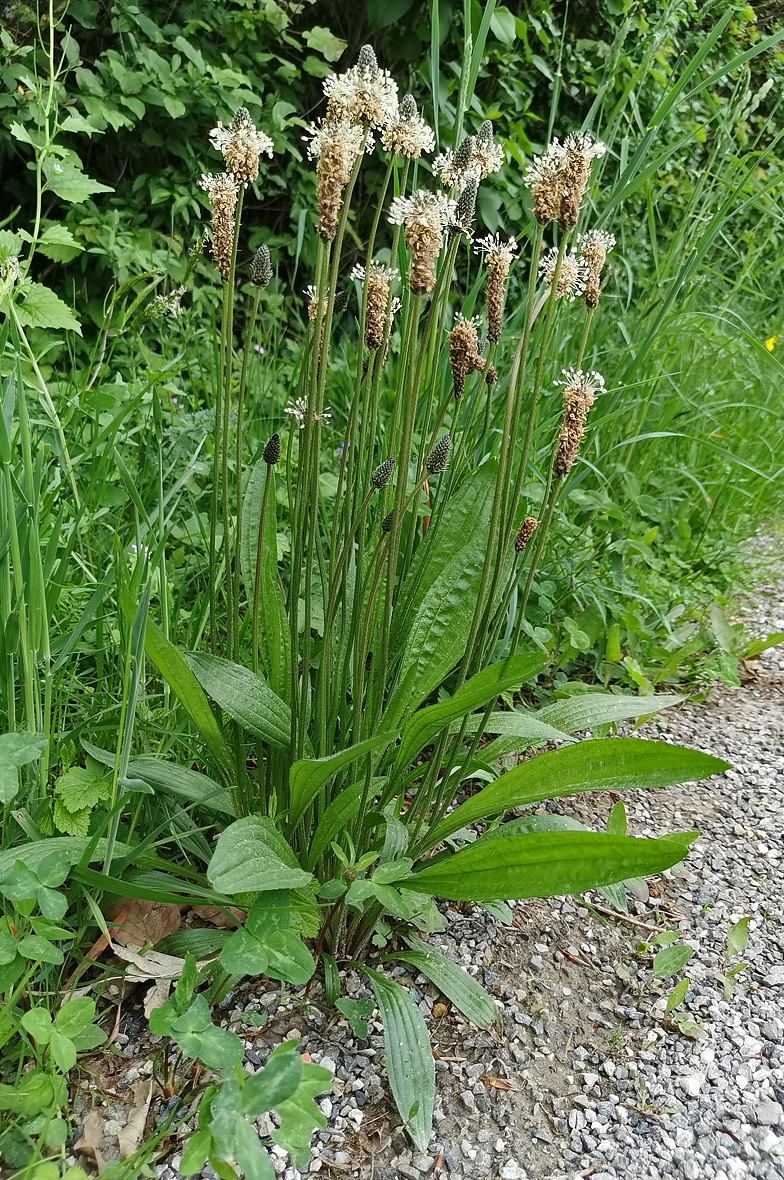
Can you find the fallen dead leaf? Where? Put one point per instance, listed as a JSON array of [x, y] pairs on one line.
[[495, 1083], [216, 917], [157, 996], [143, 922], [151, 965], [132, 1134], [91, 1138]]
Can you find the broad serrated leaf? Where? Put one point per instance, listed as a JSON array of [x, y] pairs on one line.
[[58, 243], [409, 1055], [460, 987], [82, 786], [41, 308], [75, 823], [66, 178]]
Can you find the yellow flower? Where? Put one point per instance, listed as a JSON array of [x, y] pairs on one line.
[[771, 344]]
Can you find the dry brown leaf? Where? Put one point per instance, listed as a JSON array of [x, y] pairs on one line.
[[495, 1083], [143, 922], [132, 1133], [215, 916], [151, 965], [157, 996], [92, 1137]]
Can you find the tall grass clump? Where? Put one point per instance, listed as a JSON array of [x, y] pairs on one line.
[[306, 726]]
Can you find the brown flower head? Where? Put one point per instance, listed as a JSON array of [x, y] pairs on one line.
[[524, 533], [464, 356], [579, 394], [364, 94], [241, 144], [423, 216], [580, 150], [594, 248], [335, 147], [407, 134], [487, 156], [499, 256], [222, 191], [572, 276], [379, 280], [543, 179]]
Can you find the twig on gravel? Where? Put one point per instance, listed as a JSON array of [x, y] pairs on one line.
[[624, 918]]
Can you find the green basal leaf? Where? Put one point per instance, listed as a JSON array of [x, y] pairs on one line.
[[277, 1082], [245, 697], [251, 856], [409, 1055], [542, 864], [670, 960], [308, 776], [460, 987]]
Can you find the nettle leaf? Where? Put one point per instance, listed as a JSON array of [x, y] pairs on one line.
[[66, 178], [251, 856], [41, 308], [10, 246], [83, 786], [75, 823]]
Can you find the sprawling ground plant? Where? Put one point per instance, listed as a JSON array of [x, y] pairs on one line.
[[339, 729]]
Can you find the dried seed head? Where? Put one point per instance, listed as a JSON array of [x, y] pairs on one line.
[[383, 473], [579, 394], [594, 248], [525, 532], [299, 409], [379, 279], [499, 256], [407, 134], [437, 460], [580, 150], [423, 216], [222, 191], [335, 146], [386, 523], [463, 216], [364, 94], [341, 301], [464, 355], [271, 453], [261, 267], [490, 375], [543, 179], [572, 276], [241, 144]]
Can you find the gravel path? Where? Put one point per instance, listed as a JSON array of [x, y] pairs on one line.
[[590, 1076]]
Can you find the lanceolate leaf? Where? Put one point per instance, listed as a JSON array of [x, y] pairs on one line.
[[598, 708], [480, 689], [460, 987], [172, 666], [251, 856], [73, 846], [431, 624], [245, 697], [183, 783], [598, 765], [274, 638], [412, 1077], [542, 864], [308, 776]]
